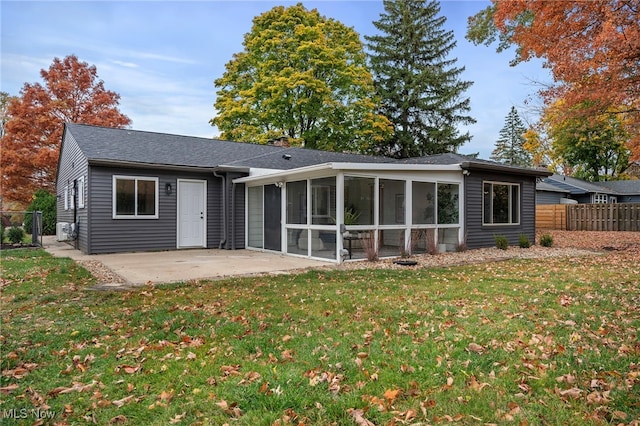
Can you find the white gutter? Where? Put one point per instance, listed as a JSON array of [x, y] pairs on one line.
[[399, 167], [280, 174]]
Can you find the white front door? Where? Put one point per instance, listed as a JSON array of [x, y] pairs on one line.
[[192, 214]]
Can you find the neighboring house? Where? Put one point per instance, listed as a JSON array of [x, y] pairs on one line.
[[557, 189], [127, 190], [547, 193], [626, 191]]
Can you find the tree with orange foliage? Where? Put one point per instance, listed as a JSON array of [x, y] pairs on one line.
[[30, 145], [591, 47]]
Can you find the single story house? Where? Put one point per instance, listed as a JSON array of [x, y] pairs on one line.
[[122, 190], [547, 193], [626, 191], [559, 189]]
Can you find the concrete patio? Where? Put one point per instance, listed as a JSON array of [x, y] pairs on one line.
[[184, 265]]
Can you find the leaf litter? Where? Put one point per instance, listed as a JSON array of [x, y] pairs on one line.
[[423, 347]]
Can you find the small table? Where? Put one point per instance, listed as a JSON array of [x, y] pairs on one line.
[[350, 238], [361, 236]]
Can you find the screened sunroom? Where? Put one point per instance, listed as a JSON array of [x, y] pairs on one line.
[[352, 211]]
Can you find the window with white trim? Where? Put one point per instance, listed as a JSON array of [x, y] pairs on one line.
[[600, 198], [81, 200], [65, 197], [135, 197], [501, 203]]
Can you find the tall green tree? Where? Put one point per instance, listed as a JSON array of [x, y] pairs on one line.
[[510, 145], [596, 149], [303, 76], [418, 83]]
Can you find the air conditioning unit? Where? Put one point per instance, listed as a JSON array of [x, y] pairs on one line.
[[63, 231], [568, 201]]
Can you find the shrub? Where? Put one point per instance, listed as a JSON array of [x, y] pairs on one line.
[[546, 240], [523, 241], [432, 244], [370, 248], [15, 235], [462, 245], [415, 237], [501, 242], [46, 203]]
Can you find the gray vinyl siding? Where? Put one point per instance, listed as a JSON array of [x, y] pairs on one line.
[[215, 224], [110, 235], [582, 198], [71, 166], [479, 235], [548, 197], [233, 238]]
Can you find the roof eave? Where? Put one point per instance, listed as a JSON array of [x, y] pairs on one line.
[[143, 165], [475, 165], [281, 175]]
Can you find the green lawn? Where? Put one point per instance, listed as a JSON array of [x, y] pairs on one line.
[[551, 341]]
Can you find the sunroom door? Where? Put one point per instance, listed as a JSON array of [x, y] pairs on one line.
[[272, 218]]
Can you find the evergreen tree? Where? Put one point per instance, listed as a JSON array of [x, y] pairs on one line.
[[510, 145], [419, 86]]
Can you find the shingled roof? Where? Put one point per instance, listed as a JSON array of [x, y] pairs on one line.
[[574, 185], [622, 187], [104, 145]]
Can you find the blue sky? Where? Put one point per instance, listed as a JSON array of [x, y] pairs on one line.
[[163, 56]]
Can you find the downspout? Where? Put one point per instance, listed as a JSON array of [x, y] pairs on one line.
[[233, 215], [75, 214], [224, 208], [464, 209]]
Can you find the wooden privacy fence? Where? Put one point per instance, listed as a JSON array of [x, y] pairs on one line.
[[589, 217], [551, 216]]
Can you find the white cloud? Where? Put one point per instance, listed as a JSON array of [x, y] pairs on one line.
[[125, 64], [18, 69]]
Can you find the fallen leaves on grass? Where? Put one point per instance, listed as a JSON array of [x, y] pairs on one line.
[[166, 396], [250, 377], [177, 418], [121, 402], [9, 388], [333, 380], [475, 385], [397, 344], [129, 369], [230, 409], [20, 371], [358, 417], [476, 348], [76, 387]]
